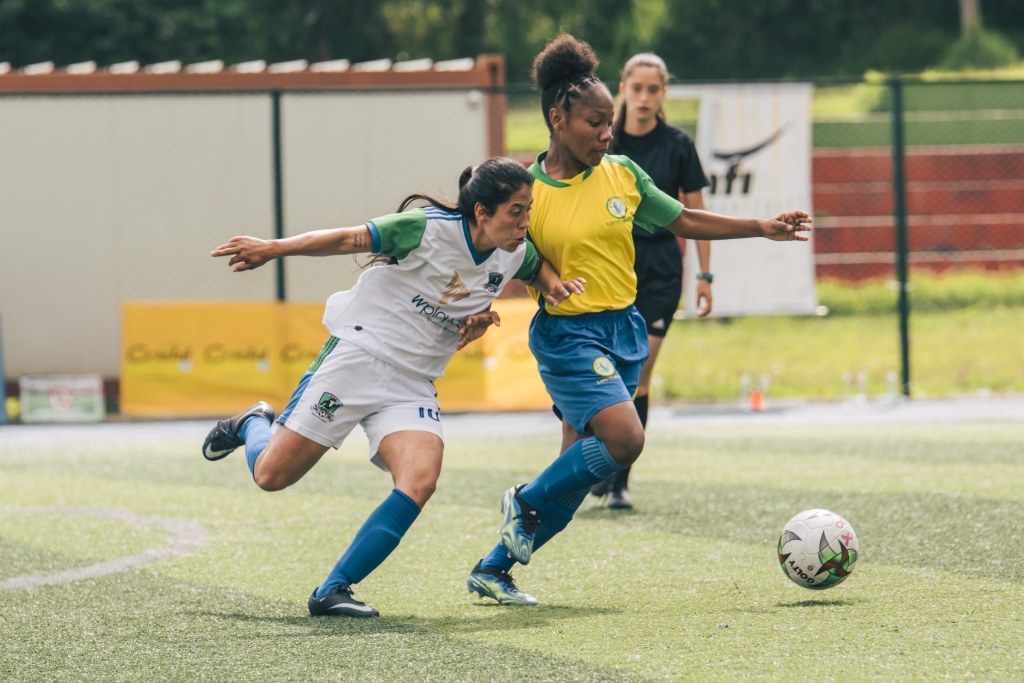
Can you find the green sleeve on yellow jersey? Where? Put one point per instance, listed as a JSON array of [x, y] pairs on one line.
[[656, 209], [531, 264], [398, 234]]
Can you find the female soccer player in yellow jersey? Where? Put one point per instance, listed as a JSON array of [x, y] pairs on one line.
[[591, 349]]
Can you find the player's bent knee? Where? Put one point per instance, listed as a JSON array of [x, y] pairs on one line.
[[419, 487], [269, 480], [626, 447]]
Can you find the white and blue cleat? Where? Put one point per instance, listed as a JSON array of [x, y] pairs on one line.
[[519, 525], [497, 584]]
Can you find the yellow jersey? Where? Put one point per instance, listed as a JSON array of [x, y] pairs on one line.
[[583, 226]]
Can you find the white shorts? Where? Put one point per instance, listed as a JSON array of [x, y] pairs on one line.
[[345, 386]]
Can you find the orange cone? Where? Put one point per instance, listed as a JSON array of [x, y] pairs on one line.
[[756, 400]]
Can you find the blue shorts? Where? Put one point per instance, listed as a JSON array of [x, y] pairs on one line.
[[589, 361]]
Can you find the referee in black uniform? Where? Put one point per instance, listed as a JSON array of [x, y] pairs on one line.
[[668, 155]]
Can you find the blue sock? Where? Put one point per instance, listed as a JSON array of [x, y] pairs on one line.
[[581, 466], [376, 539], [555, 516], [255, 432], [498, 557]]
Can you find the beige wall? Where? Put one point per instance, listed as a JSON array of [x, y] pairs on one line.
[[352, 157], [106, 199]]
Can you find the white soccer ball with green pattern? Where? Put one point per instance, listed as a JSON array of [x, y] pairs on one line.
[[817, 549]]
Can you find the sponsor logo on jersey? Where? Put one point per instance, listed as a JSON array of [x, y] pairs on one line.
[[493, 282], [616, 207], [437, 316], [455, 291], [604, 366], [326, 407], [430, 414]]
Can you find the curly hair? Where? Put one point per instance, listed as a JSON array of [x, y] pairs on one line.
[[563, 72]]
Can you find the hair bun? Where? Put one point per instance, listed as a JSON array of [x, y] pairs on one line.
[[562, 59]]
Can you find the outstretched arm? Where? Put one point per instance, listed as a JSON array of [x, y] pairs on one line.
[[703, 225], [252, 252], [548, 282]]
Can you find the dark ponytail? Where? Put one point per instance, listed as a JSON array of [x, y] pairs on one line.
[[563, 72], [490, 184]]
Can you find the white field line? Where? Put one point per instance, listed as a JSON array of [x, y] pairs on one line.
[[188, 537]]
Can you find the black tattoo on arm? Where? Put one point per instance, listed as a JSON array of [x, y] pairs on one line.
[[361, 239]]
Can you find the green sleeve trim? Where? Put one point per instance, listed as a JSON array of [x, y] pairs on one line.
[[531, 263], [400, 233], [656, 209]]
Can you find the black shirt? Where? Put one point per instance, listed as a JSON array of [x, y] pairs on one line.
[[670, 158]]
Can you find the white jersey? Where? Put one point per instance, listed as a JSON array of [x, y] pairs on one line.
[[408, 313]]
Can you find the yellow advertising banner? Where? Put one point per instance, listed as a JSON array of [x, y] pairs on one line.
[[207, 359]]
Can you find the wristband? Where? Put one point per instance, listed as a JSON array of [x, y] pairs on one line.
[[707, 277]]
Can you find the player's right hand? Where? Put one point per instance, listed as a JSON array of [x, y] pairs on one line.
[[246, 252], [787, 227], [564, 290]]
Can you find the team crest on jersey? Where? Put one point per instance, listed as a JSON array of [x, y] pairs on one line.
[[616, 207], [455, 291], [326, 407], [493, 282], [604, 366]]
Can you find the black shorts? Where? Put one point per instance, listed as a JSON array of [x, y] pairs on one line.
[[659, 282]]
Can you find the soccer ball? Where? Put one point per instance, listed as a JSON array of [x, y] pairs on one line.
[[817, 549]]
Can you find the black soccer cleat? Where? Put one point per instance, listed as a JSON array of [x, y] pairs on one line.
[[339, 603], [619, 499], [224, 438], [601, 488]]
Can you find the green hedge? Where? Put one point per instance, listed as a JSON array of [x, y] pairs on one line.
[[928, 293]]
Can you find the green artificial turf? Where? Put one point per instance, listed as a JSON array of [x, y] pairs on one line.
[[684, 588]]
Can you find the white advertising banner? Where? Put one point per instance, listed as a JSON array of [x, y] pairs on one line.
[[754, 141]]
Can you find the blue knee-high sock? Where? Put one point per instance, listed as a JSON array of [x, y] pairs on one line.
[[255, 432], [555, 516], [376, 539], [581, 466]]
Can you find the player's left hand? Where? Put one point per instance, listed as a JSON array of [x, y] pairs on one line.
[[787, 227], [563, 290], [703, 298], [476, 325]]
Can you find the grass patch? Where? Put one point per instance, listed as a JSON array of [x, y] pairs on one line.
[[952, 352], [929, 293], [684, 588]]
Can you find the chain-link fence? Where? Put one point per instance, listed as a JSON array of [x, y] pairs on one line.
[[964, 204], [115, 197]]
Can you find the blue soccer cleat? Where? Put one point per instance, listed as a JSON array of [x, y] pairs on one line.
[[224, 438], [519, 526], [497, 584]]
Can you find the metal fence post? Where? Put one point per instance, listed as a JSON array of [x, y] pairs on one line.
[[899, 187], [3, 384], [275, 97]]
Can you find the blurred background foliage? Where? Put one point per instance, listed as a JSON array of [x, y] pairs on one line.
[[700, 39]]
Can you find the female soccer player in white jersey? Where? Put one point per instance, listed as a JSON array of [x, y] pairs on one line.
[[391, 336]]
